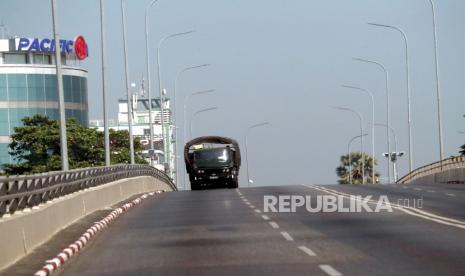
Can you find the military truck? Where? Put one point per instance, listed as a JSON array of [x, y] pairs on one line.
[[212, 161]]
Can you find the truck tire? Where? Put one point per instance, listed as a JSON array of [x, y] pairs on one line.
[[233, 184], [195, 186]]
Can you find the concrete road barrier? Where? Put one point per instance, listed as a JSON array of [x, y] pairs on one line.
[[23, 231]]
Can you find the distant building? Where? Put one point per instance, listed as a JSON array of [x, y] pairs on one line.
[[28, 84], [141, 125]]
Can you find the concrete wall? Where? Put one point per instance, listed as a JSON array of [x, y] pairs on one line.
[[25, 230], [448, 176]]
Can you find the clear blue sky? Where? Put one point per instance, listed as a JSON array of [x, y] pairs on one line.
[[283, 62]]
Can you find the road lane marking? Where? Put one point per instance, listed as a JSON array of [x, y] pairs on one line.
[[257, 211], [252, 206], [450, 195], [417, 189], [265, 217], [287, 236], [330, 270], [307, 250], [274, 224], [408, 210], [431, 191]]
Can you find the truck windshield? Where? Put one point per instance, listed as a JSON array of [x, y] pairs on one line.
[[212, 157]]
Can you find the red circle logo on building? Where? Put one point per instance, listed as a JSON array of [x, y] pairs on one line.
[[80, 48]]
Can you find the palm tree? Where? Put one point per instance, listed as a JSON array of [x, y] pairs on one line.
[[356, 168]]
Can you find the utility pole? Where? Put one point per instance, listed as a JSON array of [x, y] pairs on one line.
[[61, 97]]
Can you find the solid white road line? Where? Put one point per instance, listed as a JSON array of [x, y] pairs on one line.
[[265, 217], [330, 270], [307, 250], [274, 225], [287, 236], [257, 211], [450, 195], [411, 211]]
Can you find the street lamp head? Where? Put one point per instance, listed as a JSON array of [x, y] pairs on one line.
[[377, 24], [259, 125]]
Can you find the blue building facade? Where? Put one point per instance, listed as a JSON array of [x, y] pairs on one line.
[[28, 86]]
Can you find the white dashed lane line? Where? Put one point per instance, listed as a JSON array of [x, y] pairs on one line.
[[330, 270], [431, 191], [450, 195], [265, 217], [274, 225], [252, 206], [257, 211], [307, 251], [287, 236], [417, 189]]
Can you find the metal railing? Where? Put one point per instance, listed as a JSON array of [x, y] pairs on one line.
[[436, 167], [26, 191]]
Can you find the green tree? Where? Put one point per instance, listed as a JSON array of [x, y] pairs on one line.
[[342, 170], [35, 146], [462, 152]]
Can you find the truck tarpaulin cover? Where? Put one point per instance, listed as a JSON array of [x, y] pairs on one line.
[[211, 140]]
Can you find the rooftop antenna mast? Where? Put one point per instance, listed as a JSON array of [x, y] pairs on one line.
[[3, 28], [142, 87]]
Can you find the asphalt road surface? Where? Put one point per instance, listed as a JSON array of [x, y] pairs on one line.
[[226, 232]]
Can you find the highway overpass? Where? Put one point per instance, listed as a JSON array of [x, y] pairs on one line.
[[228, 232]]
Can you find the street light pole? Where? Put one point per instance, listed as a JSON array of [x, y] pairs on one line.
[[386, 74], [438, 91], [149, 75], [246, 147], [408, 90], [175, 113], [131, 140], [186, 99], [372, 127], [348, 154], [361, 137], [106, 132], [61, 97], [196, 113], [160, 87]]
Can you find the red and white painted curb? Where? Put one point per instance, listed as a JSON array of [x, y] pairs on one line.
[[53, 264]]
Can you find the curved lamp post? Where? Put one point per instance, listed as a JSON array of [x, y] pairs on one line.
[[160, 43], [246, 147], [370, 94], [186, 99], [408, 90], [197, 113], [361, 136], [175, 114], [386, 74]]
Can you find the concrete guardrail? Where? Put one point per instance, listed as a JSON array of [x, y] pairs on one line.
[[34, 210], [451, 170]]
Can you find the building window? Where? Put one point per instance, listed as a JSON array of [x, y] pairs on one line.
[[14, 58], [42, 59]]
